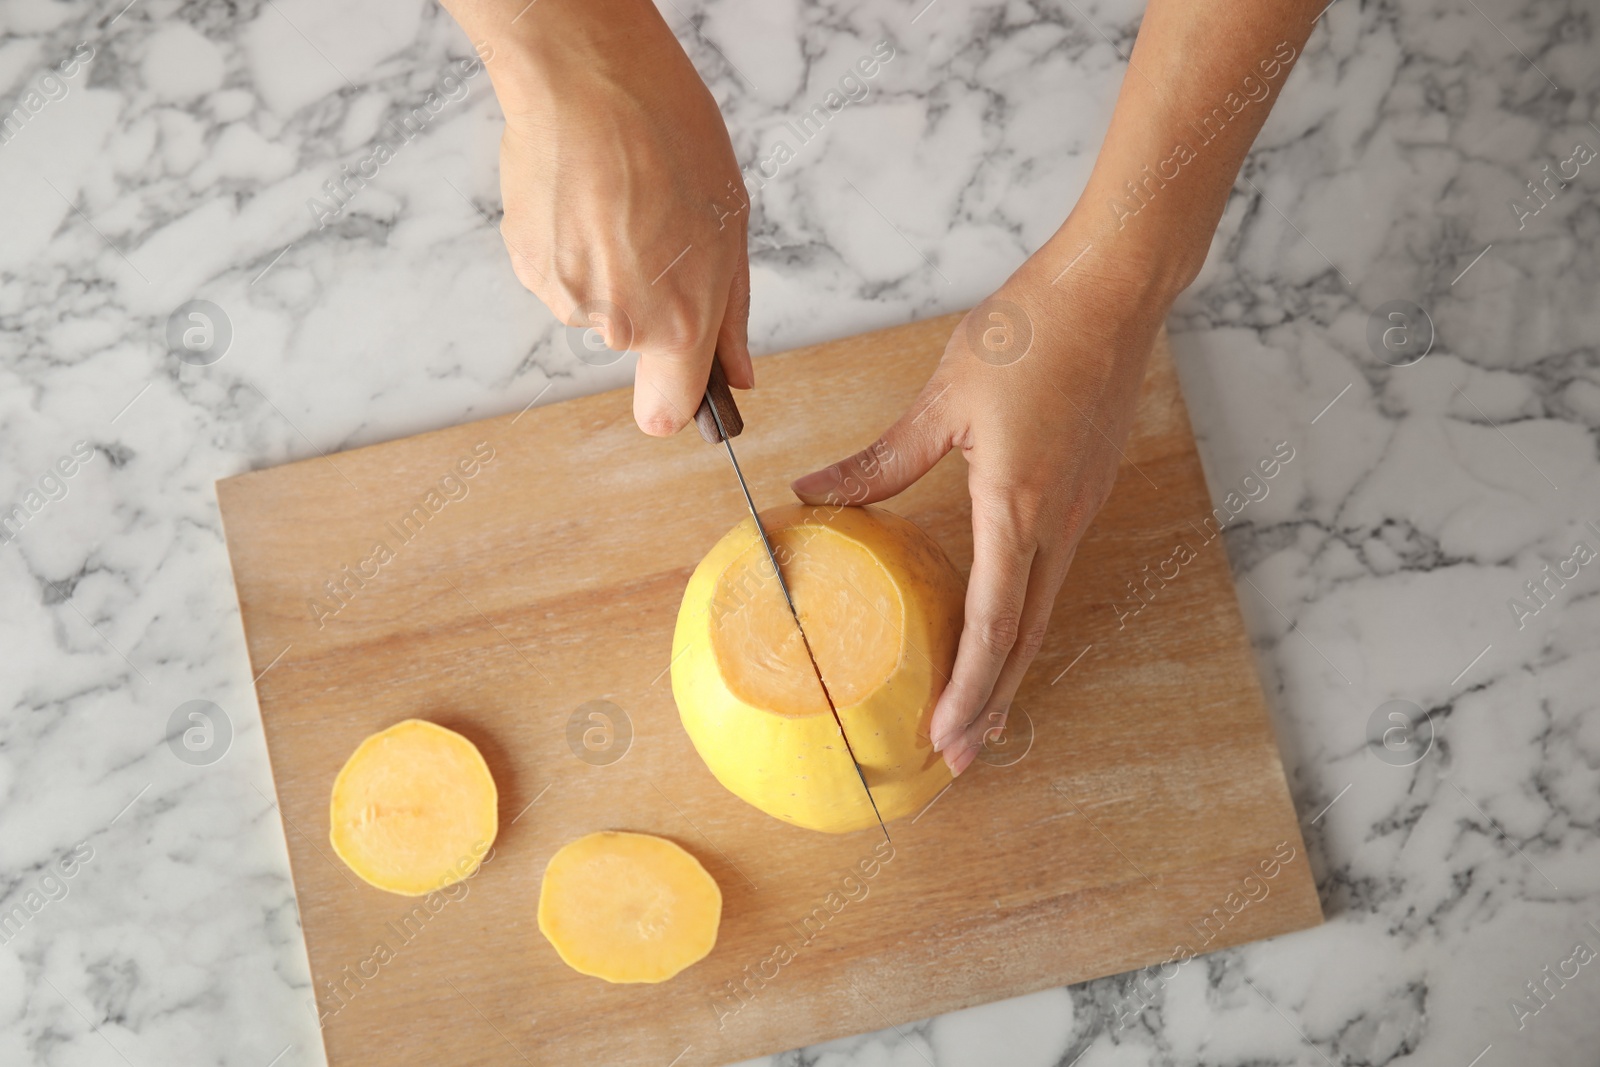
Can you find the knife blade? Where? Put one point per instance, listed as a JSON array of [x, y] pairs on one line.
[[719, 421]]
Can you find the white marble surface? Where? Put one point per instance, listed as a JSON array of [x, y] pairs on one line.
[[176, 164]]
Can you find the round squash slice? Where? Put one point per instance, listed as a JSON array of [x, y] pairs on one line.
[[628, 907], [414, 809], [882, 609]]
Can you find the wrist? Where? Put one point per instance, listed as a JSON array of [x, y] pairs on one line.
[[1150, 226], [1094, 297], [540, 55], [1158, 248], [1124, 275]]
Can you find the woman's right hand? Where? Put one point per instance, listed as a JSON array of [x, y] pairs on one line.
[[624, 206]]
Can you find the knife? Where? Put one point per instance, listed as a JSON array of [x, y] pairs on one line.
[[719, 421]]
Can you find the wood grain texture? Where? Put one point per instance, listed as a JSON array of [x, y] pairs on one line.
[[1153, 786]]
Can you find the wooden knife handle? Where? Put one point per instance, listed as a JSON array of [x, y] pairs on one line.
[[718, 393]]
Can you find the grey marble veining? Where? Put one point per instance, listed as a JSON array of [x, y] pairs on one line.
[[170, 152]]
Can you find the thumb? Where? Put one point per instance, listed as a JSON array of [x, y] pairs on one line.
[[667, 387], [906, 451]]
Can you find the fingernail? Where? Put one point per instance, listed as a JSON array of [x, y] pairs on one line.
[[962, 761], [816, 483]]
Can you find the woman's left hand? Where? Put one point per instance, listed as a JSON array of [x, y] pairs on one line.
[[1037, 388]]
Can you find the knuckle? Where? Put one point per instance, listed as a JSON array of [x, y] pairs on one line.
[[678, 330], [874, 460], [1030, 641], [1081, 510], [997, 632], [1010, 513], [525, 272]]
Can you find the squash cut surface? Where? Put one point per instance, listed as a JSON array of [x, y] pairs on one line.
[[414, 809], [848, 605], [628, 907]]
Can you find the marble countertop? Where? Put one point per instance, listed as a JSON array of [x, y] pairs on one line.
[[161, 153]]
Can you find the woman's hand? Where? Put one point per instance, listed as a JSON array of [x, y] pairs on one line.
[[624, 207], [1037, 388], [1041, 410]]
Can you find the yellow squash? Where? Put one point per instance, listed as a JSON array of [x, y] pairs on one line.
[[882, 608], [628, 907], [414, 809]]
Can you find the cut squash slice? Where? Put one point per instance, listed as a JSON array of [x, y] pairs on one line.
[[414, 809], [628, 907]]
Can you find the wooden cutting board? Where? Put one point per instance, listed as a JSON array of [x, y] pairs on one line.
[[1141, 819]]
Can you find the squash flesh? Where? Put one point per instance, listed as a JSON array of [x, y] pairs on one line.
[[628, 907], [848, 605], [414, 809]]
